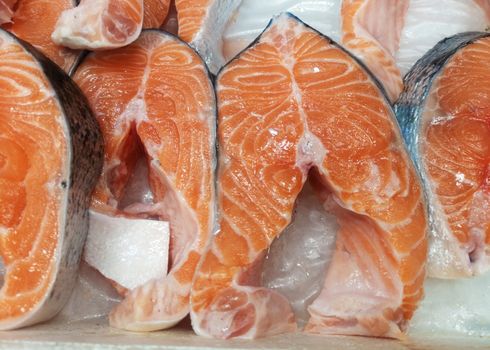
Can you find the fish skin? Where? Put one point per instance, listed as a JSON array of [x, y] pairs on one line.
[[409, 111], [86, 157], [225, 309]]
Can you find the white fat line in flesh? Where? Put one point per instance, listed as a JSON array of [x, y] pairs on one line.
[[389, 227], [251, 250], [42, 128], [451, 152], [51, 184], [245, 193], [438, 120], [349, 69], [136, 108], [457, 208], [19, 60], [54, 263], [447, 161], [373, 278], [42, 90], [459, 177], [23, 91], [309, 146]]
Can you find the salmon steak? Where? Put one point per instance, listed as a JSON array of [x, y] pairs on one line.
[[108, 24], [295, 104], [50, 158], [154, 101], [36, 29], [445, 116]]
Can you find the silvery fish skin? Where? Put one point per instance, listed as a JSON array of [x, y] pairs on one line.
[[447, 258], [84, 161]]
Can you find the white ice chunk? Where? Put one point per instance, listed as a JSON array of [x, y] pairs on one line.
[[92, 297], [127, 251]]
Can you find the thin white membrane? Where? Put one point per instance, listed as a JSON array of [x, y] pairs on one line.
[[297, 261]]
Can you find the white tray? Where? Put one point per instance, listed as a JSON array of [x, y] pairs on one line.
[[96, 334]]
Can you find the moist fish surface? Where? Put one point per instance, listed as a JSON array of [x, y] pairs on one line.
[[155, 101], [296, 104], [445, 116], [28, 25], [50, 158]]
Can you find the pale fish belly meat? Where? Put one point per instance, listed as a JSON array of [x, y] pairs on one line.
[[51, 155], [155, 101], [295, 103], [108, 24], [445, 117]]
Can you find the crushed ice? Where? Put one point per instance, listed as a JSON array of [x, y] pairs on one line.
[[296, 263]]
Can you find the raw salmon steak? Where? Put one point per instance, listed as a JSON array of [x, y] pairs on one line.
[[100, 24], [50, 158], [154, 100], [445, 117], [34, 21], [293, 104]]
